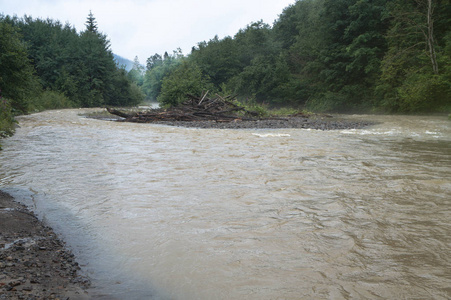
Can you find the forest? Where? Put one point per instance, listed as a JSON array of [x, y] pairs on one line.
[[47, 65], [372, 56]]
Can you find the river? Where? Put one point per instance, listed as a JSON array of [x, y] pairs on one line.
[[160, 212]]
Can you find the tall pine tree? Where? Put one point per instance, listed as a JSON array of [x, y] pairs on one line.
[[91, 23]]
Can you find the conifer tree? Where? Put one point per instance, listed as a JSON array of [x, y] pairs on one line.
[[17, 81], [91, 23]]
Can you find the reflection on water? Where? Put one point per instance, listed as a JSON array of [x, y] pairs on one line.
[[178, 213]]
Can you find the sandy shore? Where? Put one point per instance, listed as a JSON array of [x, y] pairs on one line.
[[34, 263]]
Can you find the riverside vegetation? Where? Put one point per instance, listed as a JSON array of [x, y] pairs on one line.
[[45, 65], [323, 55], [320, 55]]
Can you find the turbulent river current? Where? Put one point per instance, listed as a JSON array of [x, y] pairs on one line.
[[160, 212]]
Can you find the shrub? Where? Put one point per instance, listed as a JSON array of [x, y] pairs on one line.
[[53, 100], [424, 93], [326, 102], [251, 104], [186, 79], [6, 119]]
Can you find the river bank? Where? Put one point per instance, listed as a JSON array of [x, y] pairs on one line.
[[34, 263], [317, 122]]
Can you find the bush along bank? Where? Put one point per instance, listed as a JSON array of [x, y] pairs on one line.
[[7, 122]]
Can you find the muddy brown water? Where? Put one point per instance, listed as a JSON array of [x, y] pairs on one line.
[[162, 212]]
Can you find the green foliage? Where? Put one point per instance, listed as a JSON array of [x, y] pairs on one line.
[[6, 119], [290, 111], [261, 109], [153, 80], [186, 79], [326, 102], [136, 95], [218, 59], [326, 55], [17, 81], [136, 74], [53, 100], [91, 23], [95, 71], [407, 82], [157, 69], [122, 92], [248, 64], [259, 79], [154, 61], [424, 93], [75, 69], [254, 41]]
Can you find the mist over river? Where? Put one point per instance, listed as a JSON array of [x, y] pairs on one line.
[[160, 212]]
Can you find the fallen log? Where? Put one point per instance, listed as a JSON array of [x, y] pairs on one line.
[[117, 113], [219, 109]]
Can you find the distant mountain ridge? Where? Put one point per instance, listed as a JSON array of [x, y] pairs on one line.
[[123, 62]]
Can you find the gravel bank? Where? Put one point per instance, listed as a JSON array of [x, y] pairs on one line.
[[34, 264], [319, 123], [314, 122]]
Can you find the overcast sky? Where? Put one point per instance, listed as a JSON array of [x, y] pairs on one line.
[[146, 27]]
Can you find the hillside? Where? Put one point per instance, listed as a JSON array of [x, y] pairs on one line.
[[122, 61]]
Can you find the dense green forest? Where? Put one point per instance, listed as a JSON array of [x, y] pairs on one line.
[[47, 65], [322, 55]]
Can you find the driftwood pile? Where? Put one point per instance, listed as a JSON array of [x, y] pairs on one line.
[[219, 109]]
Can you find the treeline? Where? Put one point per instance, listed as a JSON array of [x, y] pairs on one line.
[[324, 55], [45, 64]]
